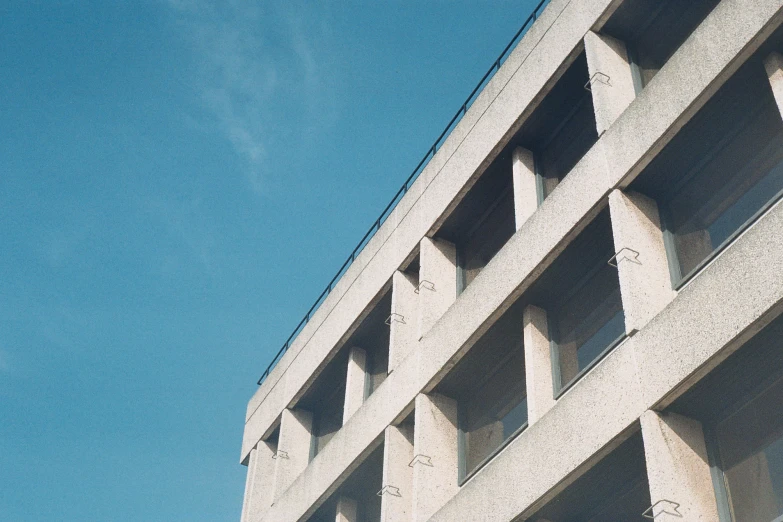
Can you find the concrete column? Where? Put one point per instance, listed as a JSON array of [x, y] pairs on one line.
[[260, 482], [523, 170], [677, 467], [397, 490], [611, 80], [404, 332], [293, 448], [645, 282], [539, 382], [355, 382], [435, 460], [347, 510], [437, 281], [774, 66]]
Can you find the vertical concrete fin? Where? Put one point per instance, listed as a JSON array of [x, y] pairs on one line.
[[355, 382], [397, 490], [293, 448], [677, 467], [437, 281], [774, 67], [525, 192], [538, 363], [435, 461], [645, 282], [404, 322], [611, 79], [260, 482], [347, 510]]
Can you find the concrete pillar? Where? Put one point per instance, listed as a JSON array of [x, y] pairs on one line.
[[435, 461], [355, 382], [437, 281], [645, 282], [611, 79], [259, 484], [523, 170], [774, 67], [677, 467], [347, 510], [397, 490], [404, 332], [539, 382], [293, 448]]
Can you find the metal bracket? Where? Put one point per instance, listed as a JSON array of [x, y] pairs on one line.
[[623, 254], [280, 454], [389, 490], [600, 78], [421, 459], [668, 507], [427, 285], [395, 318]]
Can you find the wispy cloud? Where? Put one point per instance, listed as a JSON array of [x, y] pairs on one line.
[[251, 58]]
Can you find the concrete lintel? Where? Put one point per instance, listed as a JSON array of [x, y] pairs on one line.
[[437, 281], [404, 327], [259, 484], [645, 282], [397, 492], [523, 168], [293, 448], [678, 469], [538, 363], [611, 80], [355, 382]]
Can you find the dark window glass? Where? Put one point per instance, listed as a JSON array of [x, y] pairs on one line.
[[327, 418]]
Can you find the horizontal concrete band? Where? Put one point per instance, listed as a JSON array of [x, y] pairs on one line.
[[731, 33], [535, 63]]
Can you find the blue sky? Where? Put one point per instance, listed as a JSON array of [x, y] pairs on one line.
[[178, 181]]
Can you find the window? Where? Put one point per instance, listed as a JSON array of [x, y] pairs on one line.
[[653, 30], [489, 387], [580, 292], [719, 173]]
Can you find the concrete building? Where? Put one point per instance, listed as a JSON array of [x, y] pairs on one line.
[[574, 312]]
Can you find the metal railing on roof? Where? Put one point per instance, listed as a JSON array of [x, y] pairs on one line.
[[407, 185]]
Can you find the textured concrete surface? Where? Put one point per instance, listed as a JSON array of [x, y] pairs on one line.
[[347, 510], [434, 462], [437, 281], [611, 82], [523, 169], [293, 449], [677, 468], [355, 382], [538, 363], [259, 484], [404, 328], [774, 67], [397, 491], [645, 282]]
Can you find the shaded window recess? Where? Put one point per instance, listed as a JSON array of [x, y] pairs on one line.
[[488, 384], [720, 173], [738, 403], [482, 222], [614, 489], [653, 30], [580, 292], [560, 130], [362, 486]]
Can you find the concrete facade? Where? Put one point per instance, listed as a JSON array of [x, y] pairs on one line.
[[675, 334]]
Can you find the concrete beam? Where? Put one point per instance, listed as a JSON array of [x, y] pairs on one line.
[[523, 168], [435, 460], [355, 382], [293, 448], [437, 281], [404, 327], [259, 484], [539, 380], [347, 510], [677, 468], [643, 269], [397, 490], [611, 80]]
